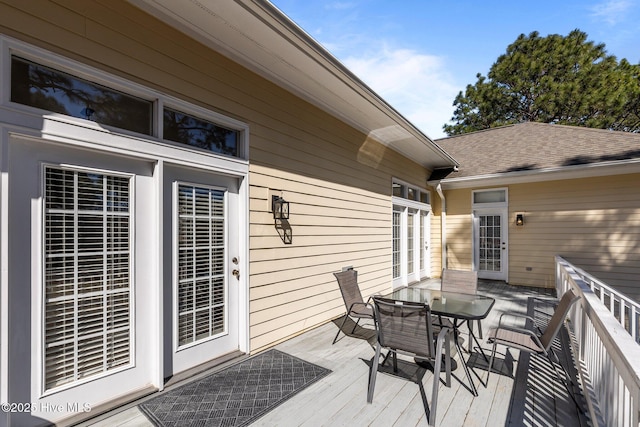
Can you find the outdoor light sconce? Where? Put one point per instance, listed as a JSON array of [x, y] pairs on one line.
[[280, 208], [519, 219]]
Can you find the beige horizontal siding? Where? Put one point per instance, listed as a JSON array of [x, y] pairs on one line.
[[333, 225], [593, 222], [459, 229]]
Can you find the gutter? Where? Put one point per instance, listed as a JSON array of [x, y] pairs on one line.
[[443, 225], [547, 174]]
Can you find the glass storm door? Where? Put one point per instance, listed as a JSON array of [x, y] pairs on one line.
[[490, 244]]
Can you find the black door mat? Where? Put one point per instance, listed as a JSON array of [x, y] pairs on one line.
[[237, 395]]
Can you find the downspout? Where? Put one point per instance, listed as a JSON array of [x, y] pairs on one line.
[[443, 225]]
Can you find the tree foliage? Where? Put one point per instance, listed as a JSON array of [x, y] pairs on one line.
[[554, 79]]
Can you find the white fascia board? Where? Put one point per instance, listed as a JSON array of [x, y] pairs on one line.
[[548, 174]]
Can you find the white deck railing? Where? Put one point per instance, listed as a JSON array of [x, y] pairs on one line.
[[624, 309], [608, 355]]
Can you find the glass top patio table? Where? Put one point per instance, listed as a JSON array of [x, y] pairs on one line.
[[447, 304], [459, 307]]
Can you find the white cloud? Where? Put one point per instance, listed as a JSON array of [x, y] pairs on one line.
[[415, 84], [611, 11]]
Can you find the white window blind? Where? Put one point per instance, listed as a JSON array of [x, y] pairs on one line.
[[87, 275], [201, 251]]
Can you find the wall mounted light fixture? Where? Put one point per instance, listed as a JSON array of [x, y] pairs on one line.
[[280, 208], [520, 219]]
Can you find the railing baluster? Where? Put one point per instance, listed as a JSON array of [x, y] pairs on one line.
[[607, 338]]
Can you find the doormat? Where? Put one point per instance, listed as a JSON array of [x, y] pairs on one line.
[[237, 395]]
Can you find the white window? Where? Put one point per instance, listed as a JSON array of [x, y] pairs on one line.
[[44, 81], [489, 196], [201, 240], [87, 277]]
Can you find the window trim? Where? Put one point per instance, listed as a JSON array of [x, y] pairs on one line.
[[10, 47], [404, 199], [42, 277], [489, 205]]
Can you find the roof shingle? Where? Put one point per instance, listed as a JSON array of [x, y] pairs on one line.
[[535, 146]]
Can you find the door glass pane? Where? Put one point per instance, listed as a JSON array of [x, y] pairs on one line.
[[490, 243], [410, 243], [87, 275], [422, 244], [202, 293], [396, 244]]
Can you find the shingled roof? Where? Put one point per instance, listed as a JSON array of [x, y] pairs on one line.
[[536, 146]]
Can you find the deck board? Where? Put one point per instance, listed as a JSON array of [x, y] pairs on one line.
[[520, 391]]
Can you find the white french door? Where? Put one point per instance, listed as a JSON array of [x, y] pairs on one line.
[[410, 245], [206, 270], [490, 242], [80, 273]]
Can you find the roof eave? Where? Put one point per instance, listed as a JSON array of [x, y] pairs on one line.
[[260, 37], [541, 175]]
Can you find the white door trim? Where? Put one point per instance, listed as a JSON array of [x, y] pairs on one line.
[[503, 273], [493, 201]]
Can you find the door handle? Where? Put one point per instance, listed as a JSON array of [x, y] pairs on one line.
[[236, 273]]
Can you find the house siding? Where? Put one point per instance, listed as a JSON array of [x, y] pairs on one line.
[[337, 180], [459, 227], [592, 222], [436, 235], [340, 215]]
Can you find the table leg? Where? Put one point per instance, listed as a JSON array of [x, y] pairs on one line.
[[472, 335], [456, 333]]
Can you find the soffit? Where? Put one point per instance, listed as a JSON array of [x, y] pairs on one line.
[[257, 35]]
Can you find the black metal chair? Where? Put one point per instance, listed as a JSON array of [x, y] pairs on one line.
[[355, 305], [406, 327]]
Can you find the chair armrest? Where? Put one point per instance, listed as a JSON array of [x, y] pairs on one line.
[[377, 294], [518, 315], [523, 331], [366, 304], [517, 329], [444, 331]]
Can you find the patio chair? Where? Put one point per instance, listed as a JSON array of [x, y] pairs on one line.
[[462, 282], [355, 305], [527, 340], [406, 327]]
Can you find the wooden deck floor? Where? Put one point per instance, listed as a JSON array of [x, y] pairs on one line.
[[524, 391]]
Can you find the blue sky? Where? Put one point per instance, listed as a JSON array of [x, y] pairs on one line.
[[418, 54]]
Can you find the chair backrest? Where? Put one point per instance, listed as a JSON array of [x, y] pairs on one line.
[[565, 304], [404, 326], [464, 282], [348, 283]]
